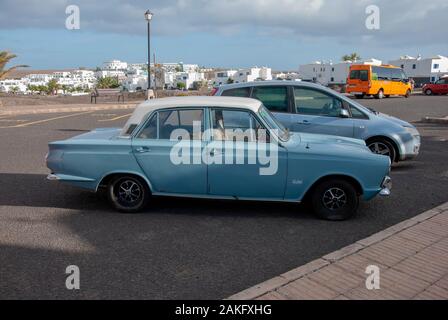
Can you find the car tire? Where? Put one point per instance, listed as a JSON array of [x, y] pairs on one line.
[[380, 94], [387, 96], [335, 200], [383, 147], [128, 194], [359, 96], [408, 93], [428, 92]]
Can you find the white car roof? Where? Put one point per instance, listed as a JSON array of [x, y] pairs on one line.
[[190, 101]]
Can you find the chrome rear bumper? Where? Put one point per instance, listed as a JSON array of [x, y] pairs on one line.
[[386, 186]]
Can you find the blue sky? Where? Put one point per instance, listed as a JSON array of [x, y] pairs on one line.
[[233, 33]]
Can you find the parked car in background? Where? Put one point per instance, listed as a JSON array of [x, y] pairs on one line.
[[311, 108], [136, 161], [439, 87], [378, 81]]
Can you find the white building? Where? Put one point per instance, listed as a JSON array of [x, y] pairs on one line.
[[84, 79], [423, 70], [286, 76], [222, 77], [252, 74], [39, 79], [13, 85], [121, 75], [188, 78], [136, 82], [114, 65], [329, 73]]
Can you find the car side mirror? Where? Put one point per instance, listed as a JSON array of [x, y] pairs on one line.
[[344, 113]]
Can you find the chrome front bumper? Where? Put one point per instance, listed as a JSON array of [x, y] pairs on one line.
[[386, 186], [52, 177]]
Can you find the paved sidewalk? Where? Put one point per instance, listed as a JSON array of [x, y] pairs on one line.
[[412, 257], [60, 108]]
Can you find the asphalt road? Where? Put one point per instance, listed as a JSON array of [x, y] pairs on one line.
[[178, 248]]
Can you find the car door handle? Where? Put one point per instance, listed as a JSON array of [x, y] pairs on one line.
[[142, 149], [304, 122]]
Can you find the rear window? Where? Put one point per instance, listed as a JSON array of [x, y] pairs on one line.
[[275, 98], [362, 75], [238, 92]]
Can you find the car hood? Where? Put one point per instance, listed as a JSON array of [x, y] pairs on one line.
[[395, 120]]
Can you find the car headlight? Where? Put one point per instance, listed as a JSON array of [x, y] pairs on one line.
[[413, 131]]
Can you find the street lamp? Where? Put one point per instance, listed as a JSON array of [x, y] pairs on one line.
[[148, 18]]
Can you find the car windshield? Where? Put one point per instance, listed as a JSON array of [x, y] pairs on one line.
[[273, 123]]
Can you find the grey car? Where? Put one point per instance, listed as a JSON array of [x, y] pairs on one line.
[[312, 108]]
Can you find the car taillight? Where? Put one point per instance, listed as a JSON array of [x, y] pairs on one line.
[[213, 92], [370, 83]]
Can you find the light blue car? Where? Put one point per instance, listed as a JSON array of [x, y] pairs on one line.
[[312, 108], [219, 147]]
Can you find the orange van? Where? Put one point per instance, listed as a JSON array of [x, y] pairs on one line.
[[378, 81]]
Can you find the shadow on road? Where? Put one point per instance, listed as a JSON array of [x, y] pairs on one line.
[[33, 190]]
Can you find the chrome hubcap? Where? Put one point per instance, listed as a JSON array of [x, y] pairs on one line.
[[379, 148], [334, 199], [129, 192]]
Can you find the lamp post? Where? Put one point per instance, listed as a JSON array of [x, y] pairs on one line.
[[148, 17]]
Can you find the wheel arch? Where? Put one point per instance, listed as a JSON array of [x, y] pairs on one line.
[[106, 178], [348, 178], [388, 139]]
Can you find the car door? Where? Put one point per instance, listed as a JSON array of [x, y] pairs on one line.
[[276, 99], [317, 111], [173, 164], [445, 86], [235, 168]]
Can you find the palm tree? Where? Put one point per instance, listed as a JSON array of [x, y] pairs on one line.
[[53, 87], [5, 57], [351, 57]]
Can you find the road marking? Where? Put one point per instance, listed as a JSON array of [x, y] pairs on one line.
[[116, 118], [46, 120], [12, 120]]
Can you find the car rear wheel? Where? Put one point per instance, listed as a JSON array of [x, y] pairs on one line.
[[428, 92], [383, 147], [359, 96], [335, 200], [128, 194], [380, 94], [408, 94]]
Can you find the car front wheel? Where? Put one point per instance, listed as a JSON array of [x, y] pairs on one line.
[[128, 194], [335, 200], [428, 92], [383, 147]]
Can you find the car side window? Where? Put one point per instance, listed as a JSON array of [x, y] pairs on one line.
[[235, 125], [357, 114], [317, 103], [237, 92], [150, 129], [275, 98], [163, 124]]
